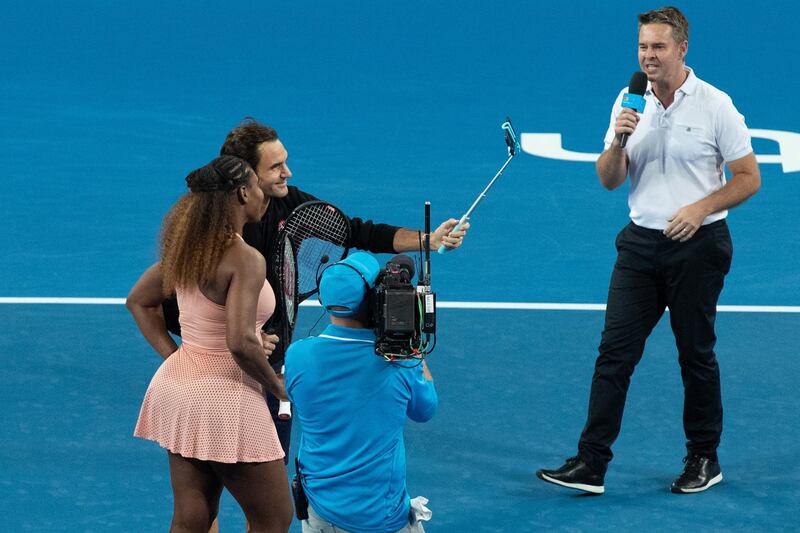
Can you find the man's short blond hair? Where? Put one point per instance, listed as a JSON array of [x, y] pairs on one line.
[[671, 16]]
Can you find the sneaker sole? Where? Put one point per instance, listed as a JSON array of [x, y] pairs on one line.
[[713, 481], [593, 489]]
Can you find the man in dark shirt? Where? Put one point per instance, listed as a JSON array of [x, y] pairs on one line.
[[259, 145]]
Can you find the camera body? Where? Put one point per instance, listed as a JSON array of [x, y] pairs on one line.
[[401, 314]]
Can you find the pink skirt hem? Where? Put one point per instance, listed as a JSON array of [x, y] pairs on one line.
[[202, 405]]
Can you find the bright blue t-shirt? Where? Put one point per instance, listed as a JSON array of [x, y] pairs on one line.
[[352, 406]]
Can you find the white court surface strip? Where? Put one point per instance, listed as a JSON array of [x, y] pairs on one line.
[[518, 306]]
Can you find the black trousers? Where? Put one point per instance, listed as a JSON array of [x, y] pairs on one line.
[[653, 272]]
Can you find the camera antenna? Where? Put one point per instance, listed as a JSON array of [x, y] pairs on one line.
[[426, 271], [427, 297]]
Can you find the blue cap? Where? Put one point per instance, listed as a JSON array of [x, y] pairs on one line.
[[344, 284]]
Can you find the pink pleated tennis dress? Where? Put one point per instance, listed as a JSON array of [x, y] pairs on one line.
[[199, 403]]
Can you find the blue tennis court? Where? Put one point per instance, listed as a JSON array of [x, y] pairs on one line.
[[383, 106]]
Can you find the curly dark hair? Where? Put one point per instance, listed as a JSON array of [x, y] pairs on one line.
[[198, 228], [243, 140]]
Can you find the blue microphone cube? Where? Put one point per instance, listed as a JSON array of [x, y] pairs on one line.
[[633, 101]]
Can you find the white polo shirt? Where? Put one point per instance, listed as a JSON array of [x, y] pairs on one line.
[[678, 155]]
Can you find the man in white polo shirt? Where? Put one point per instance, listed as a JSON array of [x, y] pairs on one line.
[[675, 252]]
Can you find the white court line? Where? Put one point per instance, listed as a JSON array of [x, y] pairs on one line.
[[72, 301], [520, 306]]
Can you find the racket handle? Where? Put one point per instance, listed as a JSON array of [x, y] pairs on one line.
[[284, 408], [442, 249]]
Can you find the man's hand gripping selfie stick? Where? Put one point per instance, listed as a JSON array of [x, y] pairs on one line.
[[513, 149]]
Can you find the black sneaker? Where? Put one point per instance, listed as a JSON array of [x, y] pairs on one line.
[[574, 474], [699, 474]]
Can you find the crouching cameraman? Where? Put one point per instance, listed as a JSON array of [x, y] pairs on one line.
[[352, 406]]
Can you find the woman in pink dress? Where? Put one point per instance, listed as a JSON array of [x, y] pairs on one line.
[[205, 404]]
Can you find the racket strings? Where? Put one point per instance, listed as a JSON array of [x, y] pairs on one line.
[[289, 282], [312, 255], [314, 234], [320, 234], [320, 222]]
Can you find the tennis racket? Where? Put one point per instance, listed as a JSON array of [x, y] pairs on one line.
[[284, 407], [314, 234], [513, 148], [320, 233], [286, 273]]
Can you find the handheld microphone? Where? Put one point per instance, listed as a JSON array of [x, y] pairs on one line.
[[634, 99]]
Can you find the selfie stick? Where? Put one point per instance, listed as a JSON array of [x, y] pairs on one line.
[[513, 148]]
